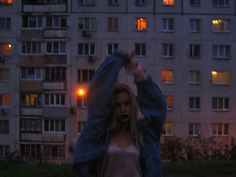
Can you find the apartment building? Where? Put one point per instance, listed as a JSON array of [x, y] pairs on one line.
[[50, 49]]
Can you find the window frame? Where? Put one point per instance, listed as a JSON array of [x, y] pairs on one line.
[[168, 51], [194, 129], [38, 73], [140, 24], [167, 129], [169, 77], [85, 75], [52, 99], [31, 48], [220, 103], [86, 49], [195, 77], [30, 125], [217, 51], [216, 27], [140, 49], [112, 47], [216, 129], [87, 23], [6, 23], [217, 3], [55, 48], [195, 25], [168, 25], [194, 103], [168, 3], [4, 126], [112, 24], [220, 77]]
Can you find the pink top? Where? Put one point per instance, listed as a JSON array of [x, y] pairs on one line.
[[121, 162]]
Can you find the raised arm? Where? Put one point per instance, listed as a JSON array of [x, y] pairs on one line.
[[151, 101]]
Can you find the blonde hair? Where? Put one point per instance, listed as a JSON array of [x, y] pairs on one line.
[[113, 123]]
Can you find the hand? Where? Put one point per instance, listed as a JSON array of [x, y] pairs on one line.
[[135, 68]]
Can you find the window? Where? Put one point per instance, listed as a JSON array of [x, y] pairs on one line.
[[30, 100], [4, 150], [140, 49], [221, 3], [194, 103], [56, 21], [54, 152], [87, 2], [31, 151], [141, 24], [167, 50], [220, 103], [55, 73], [195, 3], [87, 23], [5, 23], [41, 2], [220, 25], [5, 49], [170, 102], [81, 125], [113, 2], [195, 25], [194, 50], [112, 48], [54, 99], [167, 24], [31, 74], [194, 129], [220, 77], [56, 47], [86, 49], [168, 2], [31, 125], [82, 101], [31, 47], [195, 77], [4, 74], [139, 2], [30, 21], [4, 99], [6, 2], [112, 24], [54, 125], [85, 75], [167, 76], [167, 129], [4, 126], [221, 51], [220, 129]]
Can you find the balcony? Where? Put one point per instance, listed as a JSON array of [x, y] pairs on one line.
[[44, 8], [55, 33], [53, 137], [54, 86], [31, 111]]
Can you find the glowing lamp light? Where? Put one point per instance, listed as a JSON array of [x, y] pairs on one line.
[[9, 45], [214, 73], [81, 92]]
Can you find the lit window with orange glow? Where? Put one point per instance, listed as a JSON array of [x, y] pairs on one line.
[[5, 49], [4, 99], [6, 2], [141, 24], [168, 2], [220, 77], [220, 25], [167, 76], [170, 102]]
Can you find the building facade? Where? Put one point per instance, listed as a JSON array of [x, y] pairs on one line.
[[49, 49]]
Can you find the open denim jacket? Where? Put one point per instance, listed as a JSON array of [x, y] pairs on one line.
[[94, 139]]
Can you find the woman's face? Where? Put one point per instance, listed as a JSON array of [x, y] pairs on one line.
[[122, 107]]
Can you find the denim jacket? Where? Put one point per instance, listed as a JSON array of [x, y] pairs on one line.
[[94, 139]]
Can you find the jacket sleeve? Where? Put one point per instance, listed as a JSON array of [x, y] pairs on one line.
[[152, 104], [100, 93]]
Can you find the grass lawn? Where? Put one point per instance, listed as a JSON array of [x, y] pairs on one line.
[[195, 169]]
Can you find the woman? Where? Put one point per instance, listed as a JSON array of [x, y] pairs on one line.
[[114, 143]]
